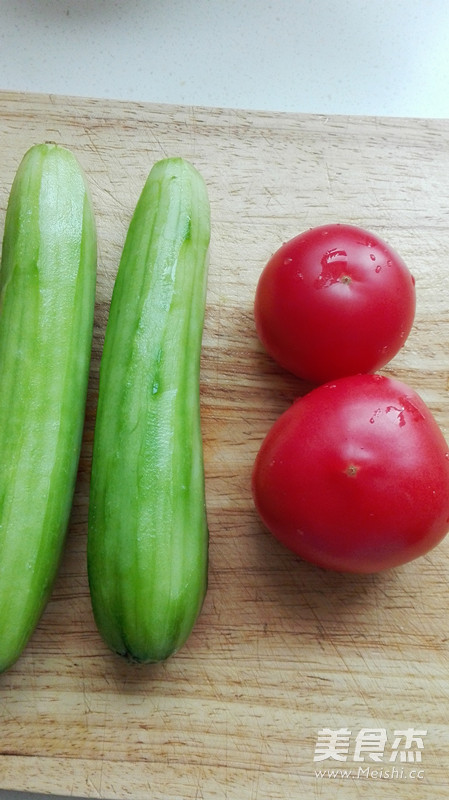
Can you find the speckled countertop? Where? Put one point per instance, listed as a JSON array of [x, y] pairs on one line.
[[317, 56]]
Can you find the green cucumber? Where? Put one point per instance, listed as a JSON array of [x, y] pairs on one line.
[[147, 544], [47, 293]]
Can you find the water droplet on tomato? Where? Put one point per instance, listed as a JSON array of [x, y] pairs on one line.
[[372, 256], [378, 268], [333, 268], [397, 414], [375, 414]]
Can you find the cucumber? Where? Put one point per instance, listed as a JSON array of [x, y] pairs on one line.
[[47, 293], [147, 548]]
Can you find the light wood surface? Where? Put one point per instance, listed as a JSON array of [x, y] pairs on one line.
[[282, 649]]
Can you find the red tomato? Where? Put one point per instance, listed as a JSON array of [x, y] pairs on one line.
[[354, 476], [334, 301]]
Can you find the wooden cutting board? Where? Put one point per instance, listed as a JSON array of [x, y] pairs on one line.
[[282, 650]]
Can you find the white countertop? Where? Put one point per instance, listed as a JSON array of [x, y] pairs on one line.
[[382, 57]]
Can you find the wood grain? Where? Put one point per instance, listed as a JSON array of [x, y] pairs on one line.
[[281, 649]]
